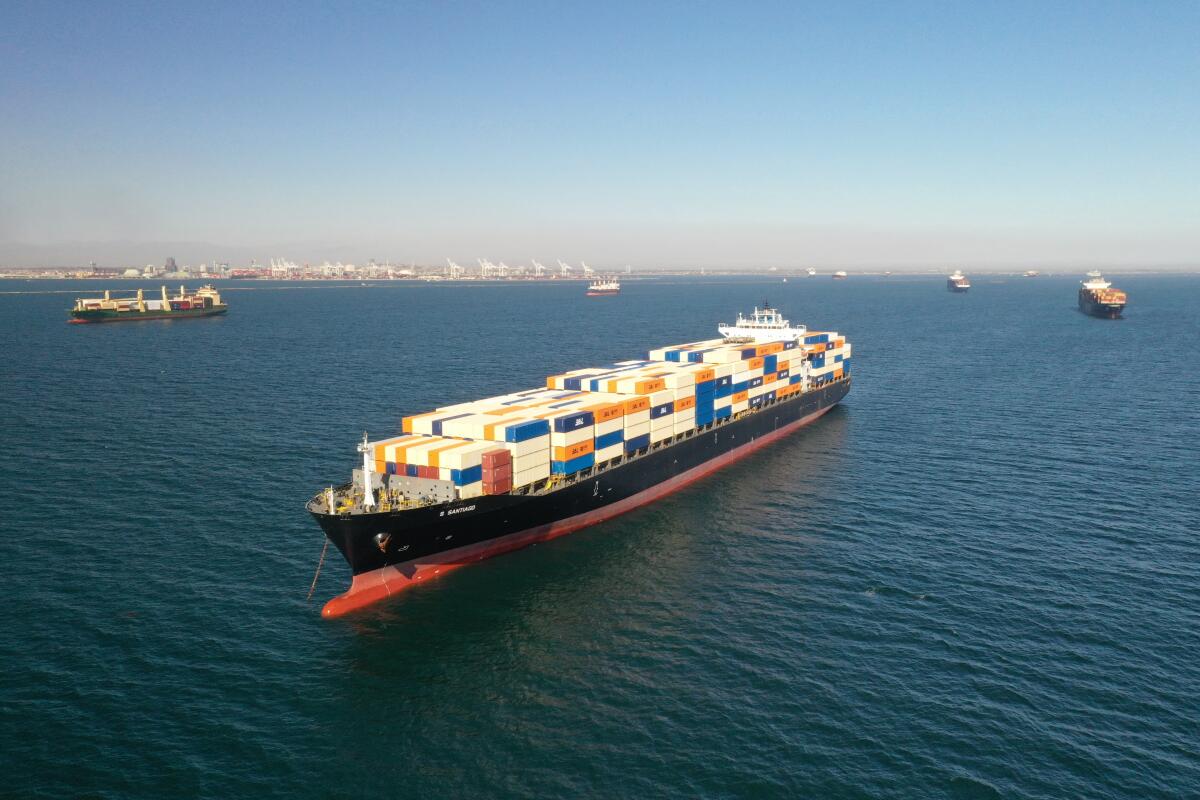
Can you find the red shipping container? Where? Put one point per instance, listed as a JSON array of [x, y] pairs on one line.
[[496, 458], [498, 487], [497, 473], [427, 472]]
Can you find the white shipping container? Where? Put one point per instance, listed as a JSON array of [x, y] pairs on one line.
[[741, 406], [529, 461], [640, 429], [464, 457], [661, 432], [576, 436], [610, 452], [636, 418], [520, 449], [470, 490], [532, 475], [602, 428]]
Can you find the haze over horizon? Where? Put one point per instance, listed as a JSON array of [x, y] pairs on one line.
[[682, 135]]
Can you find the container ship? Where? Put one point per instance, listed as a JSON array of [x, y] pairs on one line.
[[1098, 298], [958, 282], [468, 481], [605, 287], [204, 302], [840, 275]]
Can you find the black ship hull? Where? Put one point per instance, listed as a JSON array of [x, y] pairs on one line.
[[1103, 310], [388, 552]]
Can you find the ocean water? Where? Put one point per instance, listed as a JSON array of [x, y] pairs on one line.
[[979, 577]]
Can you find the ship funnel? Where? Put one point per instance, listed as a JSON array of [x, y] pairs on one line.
[[368, 495]]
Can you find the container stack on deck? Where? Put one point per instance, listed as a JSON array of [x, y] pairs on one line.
[[587, 417]]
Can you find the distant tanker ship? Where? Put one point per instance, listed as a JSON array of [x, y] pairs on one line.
[[205, 302]]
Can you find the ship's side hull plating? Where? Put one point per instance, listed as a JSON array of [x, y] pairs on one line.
[[105, 315], [389, 552]]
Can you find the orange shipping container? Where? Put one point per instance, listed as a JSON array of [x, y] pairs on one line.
[[637, 404], [740, 397], [754, 363], [684, 403], [770, 377], [604, 412], [567, 452]]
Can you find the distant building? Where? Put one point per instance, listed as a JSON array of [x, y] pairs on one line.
[[170, 265]]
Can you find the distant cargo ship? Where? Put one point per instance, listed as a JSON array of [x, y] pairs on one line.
[[205, 302], [958, 282], [472, 480], [839, 275], [1098, 298], [1031, 273], [604, 287]]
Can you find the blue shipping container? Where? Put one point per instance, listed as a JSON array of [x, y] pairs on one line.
[[723, 391], [705, 388], [462, 477], [769, 363], [723, 412], [410, 470], [523, 431], [795, 379], [725, 381], [572, 422], [574, 465], [769, 396], [637, 443], [783, 374], [755, 402], [661, 411], [741, 386], [609, 439], [755, 382]]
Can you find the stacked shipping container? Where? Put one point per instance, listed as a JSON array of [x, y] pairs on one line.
[[587, 417]]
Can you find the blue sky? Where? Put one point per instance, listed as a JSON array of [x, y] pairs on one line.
[[652, 134]]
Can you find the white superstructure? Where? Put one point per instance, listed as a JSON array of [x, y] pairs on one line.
[[764, 325], [1095, 281]]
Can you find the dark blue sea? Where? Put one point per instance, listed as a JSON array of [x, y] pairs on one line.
[[979, 577]]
